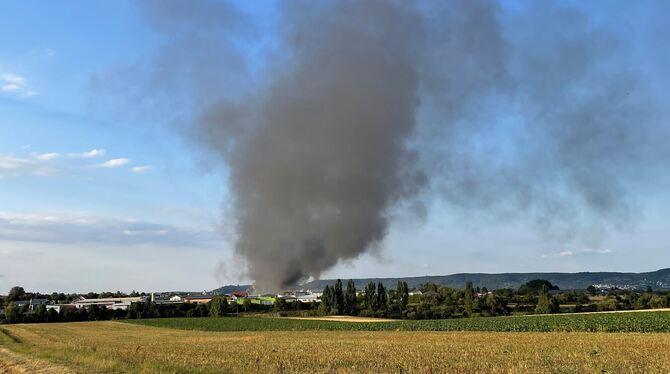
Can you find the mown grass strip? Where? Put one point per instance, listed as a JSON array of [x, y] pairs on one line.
[[9, 335], [605, 322]]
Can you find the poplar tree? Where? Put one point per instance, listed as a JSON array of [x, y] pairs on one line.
[[370, 296], [468, 299], [327, 299], [381, 296], [338, 297], [402, 295], [350, 299]]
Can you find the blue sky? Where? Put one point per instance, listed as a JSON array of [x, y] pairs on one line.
[[92, 198]]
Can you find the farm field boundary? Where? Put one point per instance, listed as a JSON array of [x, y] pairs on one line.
[[111, 347], [603, 322]]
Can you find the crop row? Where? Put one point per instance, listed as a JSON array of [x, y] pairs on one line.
[[603, 322]]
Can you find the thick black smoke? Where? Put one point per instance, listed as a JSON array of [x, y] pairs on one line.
[[320, 155], [335, 112]]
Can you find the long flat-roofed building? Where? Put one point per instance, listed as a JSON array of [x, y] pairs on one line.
[[110, 302]]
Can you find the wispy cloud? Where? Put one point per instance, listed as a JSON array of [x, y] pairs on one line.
[[141, 169], [86, 228], [96, 152], [11, 87], [42, 52], [12, 83], [39, 163], [115, 163], [11, 166], [597, 251], [13, 78], [575, 253], [45, 156]]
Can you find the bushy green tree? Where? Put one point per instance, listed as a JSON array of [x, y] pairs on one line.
[[133, 310], [591, 290], [492, 304], [543, 306], [13, 313], [658, 301], [40, 314], [52, 316], [16, 293], [202, 310], [536, 287], [246, 305], [608, 304], [93, 312], [218, 306]]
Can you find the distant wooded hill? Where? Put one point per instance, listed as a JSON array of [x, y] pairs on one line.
[[657, 280]]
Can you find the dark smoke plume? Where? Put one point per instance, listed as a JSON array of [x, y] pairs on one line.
[[342, 110], [323, 152]]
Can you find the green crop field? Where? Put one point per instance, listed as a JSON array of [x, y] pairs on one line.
[[598, 322]]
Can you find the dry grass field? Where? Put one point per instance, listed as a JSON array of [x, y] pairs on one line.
[[105, 347]]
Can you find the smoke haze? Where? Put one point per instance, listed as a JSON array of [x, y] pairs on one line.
[[336, 112]]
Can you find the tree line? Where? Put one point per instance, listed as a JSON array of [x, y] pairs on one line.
[[217, 307], [430, 301], [433, 301]]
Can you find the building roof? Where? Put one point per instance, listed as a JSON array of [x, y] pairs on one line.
[[111, 300]]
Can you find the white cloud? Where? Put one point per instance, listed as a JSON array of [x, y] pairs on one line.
[[13, 83], [582, 252], [94, 153], [115, 163], [45, 156], [86, 228], [11, 87], [13, 78], [596, 251], [141, 169], [11, 166], [89, 154]]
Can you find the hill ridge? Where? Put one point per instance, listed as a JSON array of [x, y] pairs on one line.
[[657, 280]]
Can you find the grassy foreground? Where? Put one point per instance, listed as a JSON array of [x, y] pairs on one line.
[[104, 347], [599, 322]]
